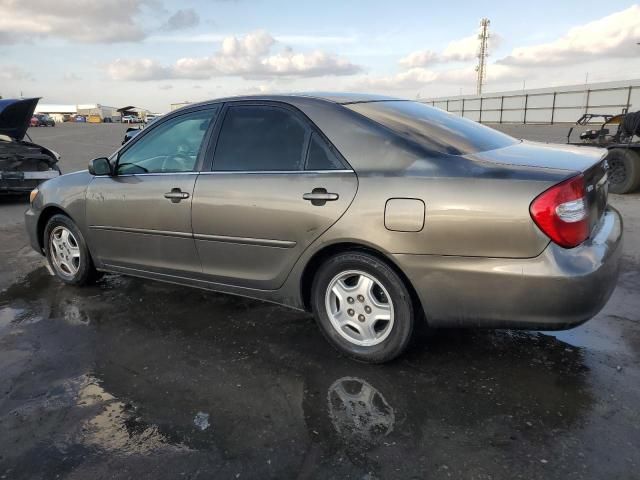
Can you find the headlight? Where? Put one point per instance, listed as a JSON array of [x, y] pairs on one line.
[[33, 195]]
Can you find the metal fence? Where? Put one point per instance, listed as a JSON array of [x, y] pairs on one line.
[[545, 106]]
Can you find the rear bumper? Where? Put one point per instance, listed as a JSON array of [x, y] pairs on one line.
[[558, 289]]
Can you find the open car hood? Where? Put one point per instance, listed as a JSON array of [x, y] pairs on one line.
[[15, 116]]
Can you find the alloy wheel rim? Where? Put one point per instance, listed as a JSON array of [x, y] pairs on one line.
[[359, 308], [65, 251]]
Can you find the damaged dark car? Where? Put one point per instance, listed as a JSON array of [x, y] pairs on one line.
[[23, 164]]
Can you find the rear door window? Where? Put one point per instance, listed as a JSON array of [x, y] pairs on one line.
[[261, 138], [320, 156]]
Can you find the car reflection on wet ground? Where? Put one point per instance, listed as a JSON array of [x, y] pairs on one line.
[[105, 382]]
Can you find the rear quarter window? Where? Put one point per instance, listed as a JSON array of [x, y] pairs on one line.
[[435, 130]]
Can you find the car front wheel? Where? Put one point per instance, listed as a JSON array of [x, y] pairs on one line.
[[67, 252], [363, 307]]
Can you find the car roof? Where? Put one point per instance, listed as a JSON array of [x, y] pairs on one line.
[[341, 98]]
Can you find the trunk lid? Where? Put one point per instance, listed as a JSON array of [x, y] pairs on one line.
[[543, 155], [597, 192], [15, 115]]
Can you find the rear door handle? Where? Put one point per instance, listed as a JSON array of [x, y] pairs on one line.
[[320, 196], [175, 195]]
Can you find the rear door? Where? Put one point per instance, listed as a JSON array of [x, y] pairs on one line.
[[275, 186], [140, 218]]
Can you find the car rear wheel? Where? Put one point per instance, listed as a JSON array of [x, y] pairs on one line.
[[67, 252], [624, 170], [363, 307]]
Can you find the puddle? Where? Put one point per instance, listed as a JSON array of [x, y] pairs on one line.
[[8, 315], [140, 370], [15, 315]]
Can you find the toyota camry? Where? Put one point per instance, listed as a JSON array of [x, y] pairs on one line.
[[376, 214]]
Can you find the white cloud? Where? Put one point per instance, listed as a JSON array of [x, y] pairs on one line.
[[249, 56], [421, 58], [137, 69], [182, 19], [86, 21], [612, 36], [411, 79], [461, 50], [14, 73], [303, 40], [251, 45], [71, 77], [414, 79]]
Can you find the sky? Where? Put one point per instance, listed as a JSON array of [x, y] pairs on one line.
[[151, 53]]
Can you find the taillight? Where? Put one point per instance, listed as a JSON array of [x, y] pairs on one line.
[[562, 212]]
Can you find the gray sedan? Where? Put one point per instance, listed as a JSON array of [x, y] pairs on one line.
[[376, 214]]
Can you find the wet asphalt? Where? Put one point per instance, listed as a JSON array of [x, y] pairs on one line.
[[137, 379]]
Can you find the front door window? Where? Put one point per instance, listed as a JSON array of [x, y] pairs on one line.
[[170, 147]]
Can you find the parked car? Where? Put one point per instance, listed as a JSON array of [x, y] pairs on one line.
[[374, 213], [45, 120], [133, 131], [23, 165], [79, 119], [130, 119], [130, 133]]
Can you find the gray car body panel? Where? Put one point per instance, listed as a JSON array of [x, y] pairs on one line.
[[250, 229], [255, 236], [129, 223]]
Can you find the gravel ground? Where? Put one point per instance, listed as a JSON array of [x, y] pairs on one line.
[[136, 379]]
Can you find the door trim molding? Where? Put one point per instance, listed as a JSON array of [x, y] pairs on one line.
[[260, 242], [143, 231]]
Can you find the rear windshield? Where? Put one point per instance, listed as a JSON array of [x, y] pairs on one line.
[[433, 129]]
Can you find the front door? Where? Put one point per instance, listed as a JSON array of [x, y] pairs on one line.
[[140, 218], [276, 185]]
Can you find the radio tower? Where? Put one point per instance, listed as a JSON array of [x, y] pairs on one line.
[[483, 53]]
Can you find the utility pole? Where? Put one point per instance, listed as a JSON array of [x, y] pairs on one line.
[[483, 53]]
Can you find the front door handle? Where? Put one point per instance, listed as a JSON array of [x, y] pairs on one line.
[[175, 195], [320, 196]]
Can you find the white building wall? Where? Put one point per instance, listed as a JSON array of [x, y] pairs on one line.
[[544, 105]]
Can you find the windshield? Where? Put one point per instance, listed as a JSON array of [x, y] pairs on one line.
[[433, 129]]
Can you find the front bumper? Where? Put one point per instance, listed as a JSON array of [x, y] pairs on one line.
[[24, 182], [558, 289]]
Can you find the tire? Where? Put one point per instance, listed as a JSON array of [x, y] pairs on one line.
[[71, 264], [624, 173], [365, 335]]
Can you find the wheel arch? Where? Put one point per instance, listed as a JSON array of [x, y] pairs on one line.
[[46, 214], [318, 258]]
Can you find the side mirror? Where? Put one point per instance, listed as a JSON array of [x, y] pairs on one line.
[[100, 166]]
